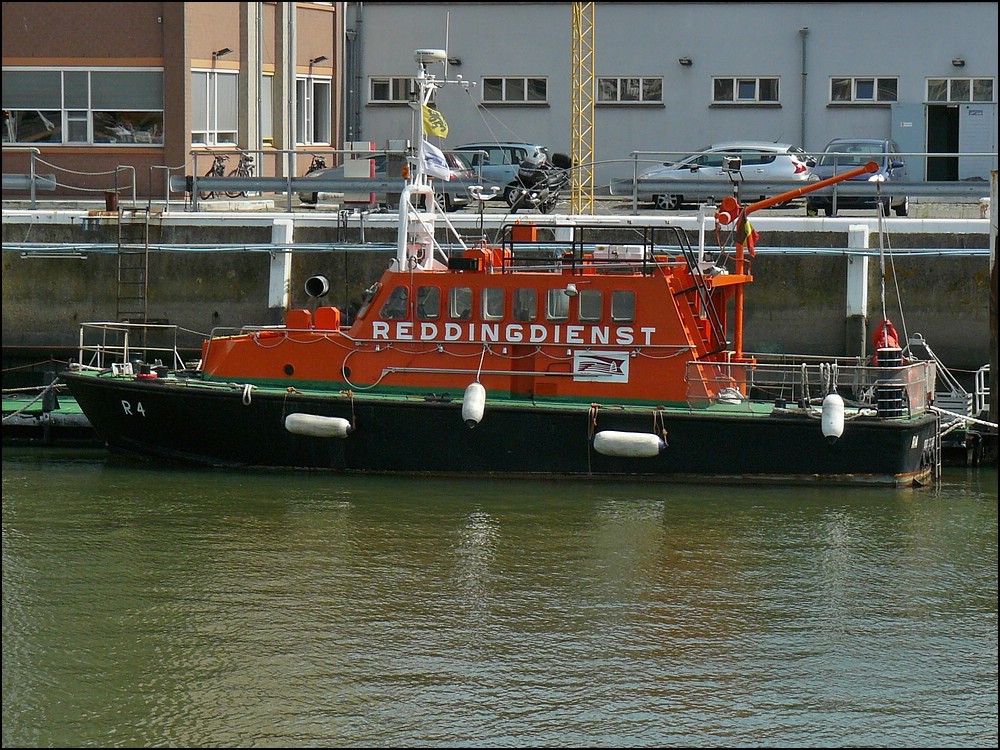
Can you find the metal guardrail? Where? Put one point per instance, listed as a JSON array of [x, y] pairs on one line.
[[29, 182]]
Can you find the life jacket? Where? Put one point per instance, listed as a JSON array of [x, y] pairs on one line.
[[885, 337]]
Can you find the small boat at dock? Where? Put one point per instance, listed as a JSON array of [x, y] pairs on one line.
[[576, 349]]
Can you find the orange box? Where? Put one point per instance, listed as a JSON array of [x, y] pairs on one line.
[[524, 233]]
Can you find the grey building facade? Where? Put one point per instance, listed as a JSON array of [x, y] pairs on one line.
[[673, 77]]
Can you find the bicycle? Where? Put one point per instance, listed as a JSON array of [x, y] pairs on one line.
[[318, 162], [243, 169], [218, 170]]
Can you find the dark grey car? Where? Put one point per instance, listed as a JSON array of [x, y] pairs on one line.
[[844, 154]]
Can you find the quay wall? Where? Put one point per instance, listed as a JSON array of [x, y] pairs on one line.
[[222, 277]]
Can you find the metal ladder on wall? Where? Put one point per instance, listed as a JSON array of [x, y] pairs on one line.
[[133, 264]]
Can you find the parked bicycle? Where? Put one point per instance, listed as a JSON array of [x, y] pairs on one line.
[[318, 162], [218, 170], [243, 169]]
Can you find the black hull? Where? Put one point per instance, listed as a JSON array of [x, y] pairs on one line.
[[215, 426]]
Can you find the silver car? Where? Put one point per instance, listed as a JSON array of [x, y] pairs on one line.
[[672, 184], [497, 163]]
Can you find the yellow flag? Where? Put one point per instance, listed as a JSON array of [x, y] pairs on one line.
[[434, 123]]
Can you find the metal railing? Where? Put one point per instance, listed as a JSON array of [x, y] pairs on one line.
[[103, 344], [716, 188], [804, 380]]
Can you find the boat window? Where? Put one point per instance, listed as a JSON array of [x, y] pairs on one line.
[[623, 305], [493, 300], [395, 307], [428, 302], [460, 303], [525, 304], [557, 307], [591, 302]]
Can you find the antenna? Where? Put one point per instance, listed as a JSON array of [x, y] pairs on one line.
[[447, 32]]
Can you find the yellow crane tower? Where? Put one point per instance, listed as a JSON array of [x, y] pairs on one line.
[[582, 116]]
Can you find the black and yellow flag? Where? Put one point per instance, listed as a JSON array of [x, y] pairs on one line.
[[434, 123]]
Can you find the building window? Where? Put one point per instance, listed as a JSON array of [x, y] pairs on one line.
[[955, 90], [81, 106], [629, 90], [863, 90], [515, 90], [214, 107], [390, 90], [267, 108], [313, 110], [744, 90]]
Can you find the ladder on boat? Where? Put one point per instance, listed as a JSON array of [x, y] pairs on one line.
[[133, 265]]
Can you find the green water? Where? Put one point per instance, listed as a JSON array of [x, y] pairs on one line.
[[165, 607]]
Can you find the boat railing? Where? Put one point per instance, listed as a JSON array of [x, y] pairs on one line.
[[103, 344], [804, 381]]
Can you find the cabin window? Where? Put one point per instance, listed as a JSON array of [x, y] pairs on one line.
[[591, 302], [623, 306], [557, 307], [460, 303], [395, 307], [428, 302], [493, 299], [525, 304]]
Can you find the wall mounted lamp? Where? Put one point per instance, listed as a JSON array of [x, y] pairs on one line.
[[685, 61], [321, 58], [221, 52], [958, 62], [454, 60]]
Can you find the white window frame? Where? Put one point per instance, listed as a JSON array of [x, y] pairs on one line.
[[400, 89], [854, 82], [953, 86], [214, 131], [515, 90], [610, 90], [738, 82], [313, 97]]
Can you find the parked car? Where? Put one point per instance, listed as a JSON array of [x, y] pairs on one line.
[[452, 196], [758, 161], [497, 163], [843, 154]]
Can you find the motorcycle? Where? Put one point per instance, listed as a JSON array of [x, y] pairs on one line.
[[539, 184]]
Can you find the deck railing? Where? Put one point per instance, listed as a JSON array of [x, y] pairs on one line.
[[786, 380]]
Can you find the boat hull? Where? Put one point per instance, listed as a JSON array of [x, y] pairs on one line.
[[236, 426]]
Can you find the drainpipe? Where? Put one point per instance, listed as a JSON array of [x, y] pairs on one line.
[[803, 33]]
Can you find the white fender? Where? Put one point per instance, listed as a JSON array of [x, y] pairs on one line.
[[833, 416], [473, 404], [628, 444], [312, 425]]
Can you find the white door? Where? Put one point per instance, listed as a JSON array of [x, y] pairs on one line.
[[977, 134]]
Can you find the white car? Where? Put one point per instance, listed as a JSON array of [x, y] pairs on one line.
[[671, 184]]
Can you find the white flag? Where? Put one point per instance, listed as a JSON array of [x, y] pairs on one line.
[[434, 162]]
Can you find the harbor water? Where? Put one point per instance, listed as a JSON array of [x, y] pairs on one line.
[[152, 606]]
